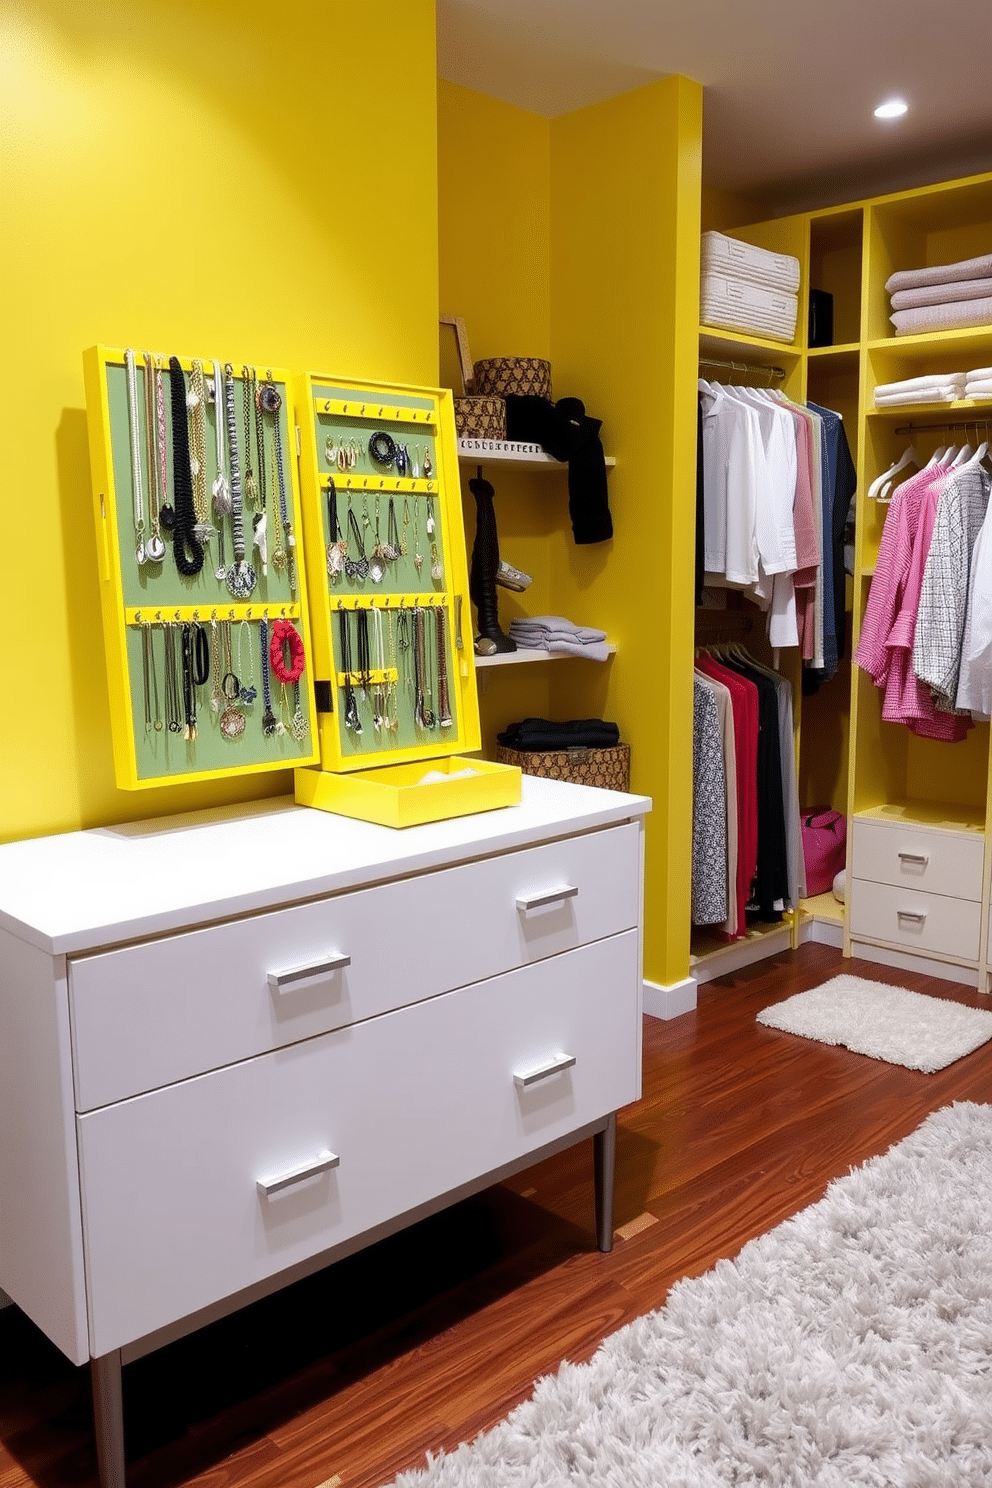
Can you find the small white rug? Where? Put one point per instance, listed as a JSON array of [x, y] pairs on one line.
[[890, 1023], [849, 1347]]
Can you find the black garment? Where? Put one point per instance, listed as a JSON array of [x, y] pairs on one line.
[[845, 485], [544, 733], [771, 879], [565, 431], [700, 520]]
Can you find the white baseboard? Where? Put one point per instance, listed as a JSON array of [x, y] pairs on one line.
[[670, 1001], [824, 932], [906, 961]]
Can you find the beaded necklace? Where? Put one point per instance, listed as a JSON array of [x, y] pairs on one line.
[[186, 547], [241, 577]]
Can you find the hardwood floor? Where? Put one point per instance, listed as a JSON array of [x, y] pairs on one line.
[[433, 1335]]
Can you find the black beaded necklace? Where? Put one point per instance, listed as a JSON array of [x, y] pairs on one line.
[[183, 535]]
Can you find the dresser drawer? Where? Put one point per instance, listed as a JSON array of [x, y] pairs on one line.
[[147, 1015], [412, 1104], [922, 922], [940, 862]]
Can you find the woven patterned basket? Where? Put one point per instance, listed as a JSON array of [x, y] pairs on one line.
[[607, 768], [501, 376], [480, 418]]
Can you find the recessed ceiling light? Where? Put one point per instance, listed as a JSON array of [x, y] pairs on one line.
[[893, 108]]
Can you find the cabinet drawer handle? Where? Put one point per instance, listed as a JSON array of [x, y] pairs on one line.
[[291, 976], [909, 917], [553, 1067], [921, 858], [554, 896], [320, 1164]]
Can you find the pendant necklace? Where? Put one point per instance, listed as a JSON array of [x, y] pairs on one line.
[[154, 547], [172, 705], [186, 546], [356, 568], [232, 720], [437, 568], [137, 495], [241, 577], [377, 563], [337, 548], [351, 718], [249, 485]]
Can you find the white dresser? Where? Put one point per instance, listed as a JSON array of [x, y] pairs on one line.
[[236, 1045]]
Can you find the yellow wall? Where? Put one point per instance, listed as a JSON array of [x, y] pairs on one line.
[[494, 218], [625, 313], [256, 181], [621, 184]]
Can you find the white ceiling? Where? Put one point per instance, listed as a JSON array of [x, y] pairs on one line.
[[790, 85]]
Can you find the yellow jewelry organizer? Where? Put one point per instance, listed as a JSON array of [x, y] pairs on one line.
[[194, 691], [387, 581]]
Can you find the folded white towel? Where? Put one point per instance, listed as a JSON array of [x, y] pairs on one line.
[[942, 380], [957, 316], [941, 294], [930, 395], [981, 389], [978, 374], [968, 268]]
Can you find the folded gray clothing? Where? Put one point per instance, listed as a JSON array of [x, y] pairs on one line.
[[591, 650], [941, 294], [959, 315], [967, 268], [555, 625]]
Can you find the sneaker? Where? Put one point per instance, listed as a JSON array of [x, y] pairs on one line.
[[513, 578]]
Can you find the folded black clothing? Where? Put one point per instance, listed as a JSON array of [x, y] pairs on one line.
[[546, 733]]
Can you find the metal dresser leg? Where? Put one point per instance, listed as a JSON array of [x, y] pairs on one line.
[[604, 1157], [108, 1418]]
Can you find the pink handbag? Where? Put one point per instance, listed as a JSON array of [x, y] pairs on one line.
[[824, 847]]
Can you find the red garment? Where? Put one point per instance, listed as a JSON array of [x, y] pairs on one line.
[[744, 701]]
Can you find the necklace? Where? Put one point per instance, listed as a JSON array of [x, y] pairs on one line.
[[154, 547], [337, 549], [249, 692], [166, 516], [196, 402], [443, 698], [356, 568], [222, 486], [184, 536], [250, 489], [150, 680], [171, 682], [351, 718], [137, 495], [270, 724], [241, 577], [377, 563], [232, 720], [437, 568]]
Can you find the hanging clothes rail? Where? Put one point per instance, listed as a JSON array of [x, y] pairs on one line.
[[948, 427], [748, 368]]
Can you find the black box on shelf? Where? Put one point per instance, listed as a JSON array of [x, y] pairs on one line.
[[821, 318]]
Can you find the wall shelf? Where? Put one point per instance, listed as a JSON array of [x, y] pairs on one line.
[[725, 343], [511, 452], [524, 655]]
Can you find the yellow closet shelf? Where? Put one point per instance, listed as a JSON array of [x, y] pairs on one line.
[[980, 407], [915, 812], [724, 343], [522, 655], [846, 349], [969, 338]]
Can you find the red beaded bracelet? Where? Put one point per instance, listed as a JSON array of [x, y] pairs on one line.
[[286, 639]]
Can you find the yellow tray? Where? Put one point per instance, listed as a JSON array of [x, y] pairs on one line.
[[393, 797]]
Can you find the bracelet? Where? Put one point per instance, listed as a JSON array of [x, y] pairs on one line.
[[382, 448], [285, 637]]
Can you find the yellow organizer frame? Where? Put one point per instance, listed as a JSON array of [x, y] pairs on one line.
[[378, 784], [378, 403], [119, 617]]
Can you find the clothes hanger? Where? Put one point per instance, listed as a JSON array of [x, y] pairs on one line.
[[962, 457], [878, 488]]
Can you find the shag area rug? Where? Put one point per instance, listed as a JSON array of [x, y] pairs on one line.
[[890, 1023], [851, 1345]]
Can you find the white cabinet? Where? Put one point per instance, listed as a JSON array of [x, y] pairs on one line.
[[235, 1047]]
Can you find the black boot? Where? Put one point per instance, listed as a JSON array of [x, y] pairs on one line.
[[485, 564]]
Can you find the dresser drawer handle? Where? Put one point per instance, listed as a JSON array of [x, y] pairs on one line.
[[320, 1164], [291, 976], [554, 896], [922, 859], [910, 917], [553, 1067]]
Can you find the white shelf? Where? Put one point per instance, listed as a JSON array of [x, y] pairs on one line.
[[510, 452], [522, 655]]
